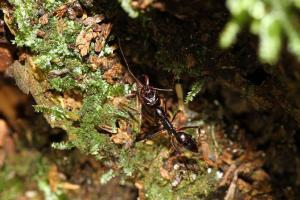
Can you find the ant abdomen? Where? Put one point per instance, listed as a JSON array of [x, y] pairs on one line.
[[186, 141]]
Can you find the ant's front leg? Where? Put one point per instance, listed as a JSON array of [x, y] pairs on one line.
[[131, 95]]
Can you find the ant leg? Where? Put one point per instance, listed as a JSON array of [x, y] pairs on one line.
[[147, 117], [146, 78], [188, 171], [148, 135], [186, 127], [106, 129], [163, 102], [139, 108], [123, 104], [128, 109], [138, 82], [178, 152], [173, 144], [131, 95], [178, 120], [175, 115]]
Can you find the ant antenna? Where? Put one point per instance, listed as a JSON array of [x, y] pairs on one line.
[[128, 68]]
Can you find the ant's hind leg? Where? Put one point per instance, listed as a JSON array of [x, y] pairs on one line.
[[188, 171], [178, 152], [187, 127], [174, 146]]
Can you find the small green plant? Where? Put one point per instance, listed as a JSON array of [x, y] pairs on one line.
[[195, 89], [271, 20]]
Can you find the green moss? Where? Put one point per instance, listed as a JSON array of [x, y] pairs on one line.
[[195, 89], [62, 145], [62, 84], [25, 15], [55, 113], [53, 51], [51, 5], [54, 55]]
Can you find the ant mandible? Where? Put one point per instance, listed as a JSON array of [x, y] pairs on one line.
[[149, 98]]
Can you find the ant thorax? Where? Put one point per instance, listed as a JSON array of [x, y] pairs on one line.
[[149, 96]]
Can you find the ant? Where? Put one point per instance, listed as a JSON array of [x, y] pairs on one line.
[[150, 99]]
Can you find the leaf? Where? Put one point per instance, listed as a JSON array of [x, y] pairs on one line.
[[228, 36], [270, 40]]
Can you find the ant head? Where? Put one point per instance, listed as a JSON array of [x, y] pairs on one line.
[[148, 96], [186, 141]]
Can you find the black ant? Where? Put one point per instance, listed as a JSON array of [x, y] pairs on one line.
[[149, 98]]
